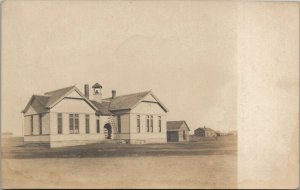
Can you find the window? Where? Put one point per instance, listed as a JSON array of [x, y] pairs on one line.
[[74, 123], [71, 123], [159, 123], [59, 123], [148, 123], [151, 123], [138, 124], [183, 135], [98, 125], [119, 124], [31, 125], [87, 123], [41, 123]]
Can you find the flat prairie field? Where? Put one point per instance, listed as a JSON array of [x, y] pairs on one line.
[[204, 164]]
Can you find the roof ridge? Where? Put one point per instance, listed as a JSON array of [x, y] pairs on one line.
[[41, 95], [49, 92], [148, 91]]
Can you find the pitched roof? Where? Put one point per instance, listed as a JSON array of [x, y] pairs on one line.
[[103, 108], [176, 125], [39, 105], [49, 99], [97, 85], [107, 106], [205, 129], [57, 94], [126, 101]]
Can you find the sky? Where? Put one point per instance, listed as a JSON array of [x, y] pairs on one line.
[[184, 51]]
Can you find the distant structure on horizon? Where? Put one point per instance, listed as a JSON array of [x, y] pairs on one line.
[[205, 132], [67, 117]]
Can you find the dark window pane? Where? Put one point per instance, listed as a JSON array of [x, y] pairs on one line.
[[98, 125], [87, 123], [138, 124], [119, 124], [41, 123], [159, 123], [151, 123], [148, 123], [31, 124], [59, 123]]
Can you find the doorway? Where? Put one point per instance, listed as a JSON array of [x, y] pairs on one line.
[[107, 131]]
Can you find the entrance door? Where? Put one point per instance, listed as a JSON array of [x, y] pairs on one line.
[[172, 136], [107, 131]]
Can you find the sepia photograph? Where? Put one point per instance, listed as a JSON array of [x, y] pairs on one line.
[[149, 94]]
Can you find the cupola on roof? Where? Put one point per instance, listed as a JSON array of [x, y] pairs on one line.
[[97, 85]]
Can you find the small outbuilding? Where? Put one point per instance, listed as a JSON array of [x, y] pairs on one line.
[[177, 131], [205, 132]]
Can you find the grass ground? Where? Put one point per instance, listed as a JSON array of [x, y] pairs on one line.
[[205, 164]]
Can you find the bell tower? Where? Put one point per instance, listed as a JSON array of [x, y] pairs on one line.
[[97, 92]]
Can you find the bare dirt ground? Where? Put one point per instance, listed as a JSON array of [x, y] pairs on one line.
[[205, 164]]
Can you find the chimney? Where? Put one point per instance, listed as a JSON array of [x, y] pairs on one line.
[[113, 93], [87, 91]]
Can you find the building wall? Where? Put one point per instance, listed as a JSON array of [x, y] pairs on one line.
[[210, 134], [36, 124], [125, 126], [60, 140], [46, 124], [144, 109], [74, 106], [27, 123], [199, 132], [180, 134], [149, 108], [37, 138], [30, 111]]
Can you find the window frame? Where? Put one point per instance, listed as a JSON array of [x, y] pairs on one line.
[[151, 123], [31, 125], [97, 125], [76, 123], [159, 124], [148, 123], [40, 124], [73, 123], [119, 124], [87, 123], [59, 123], [138, 124]]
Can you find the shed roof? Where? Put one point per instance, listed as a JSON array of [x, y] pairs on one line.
[[176, 125]]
